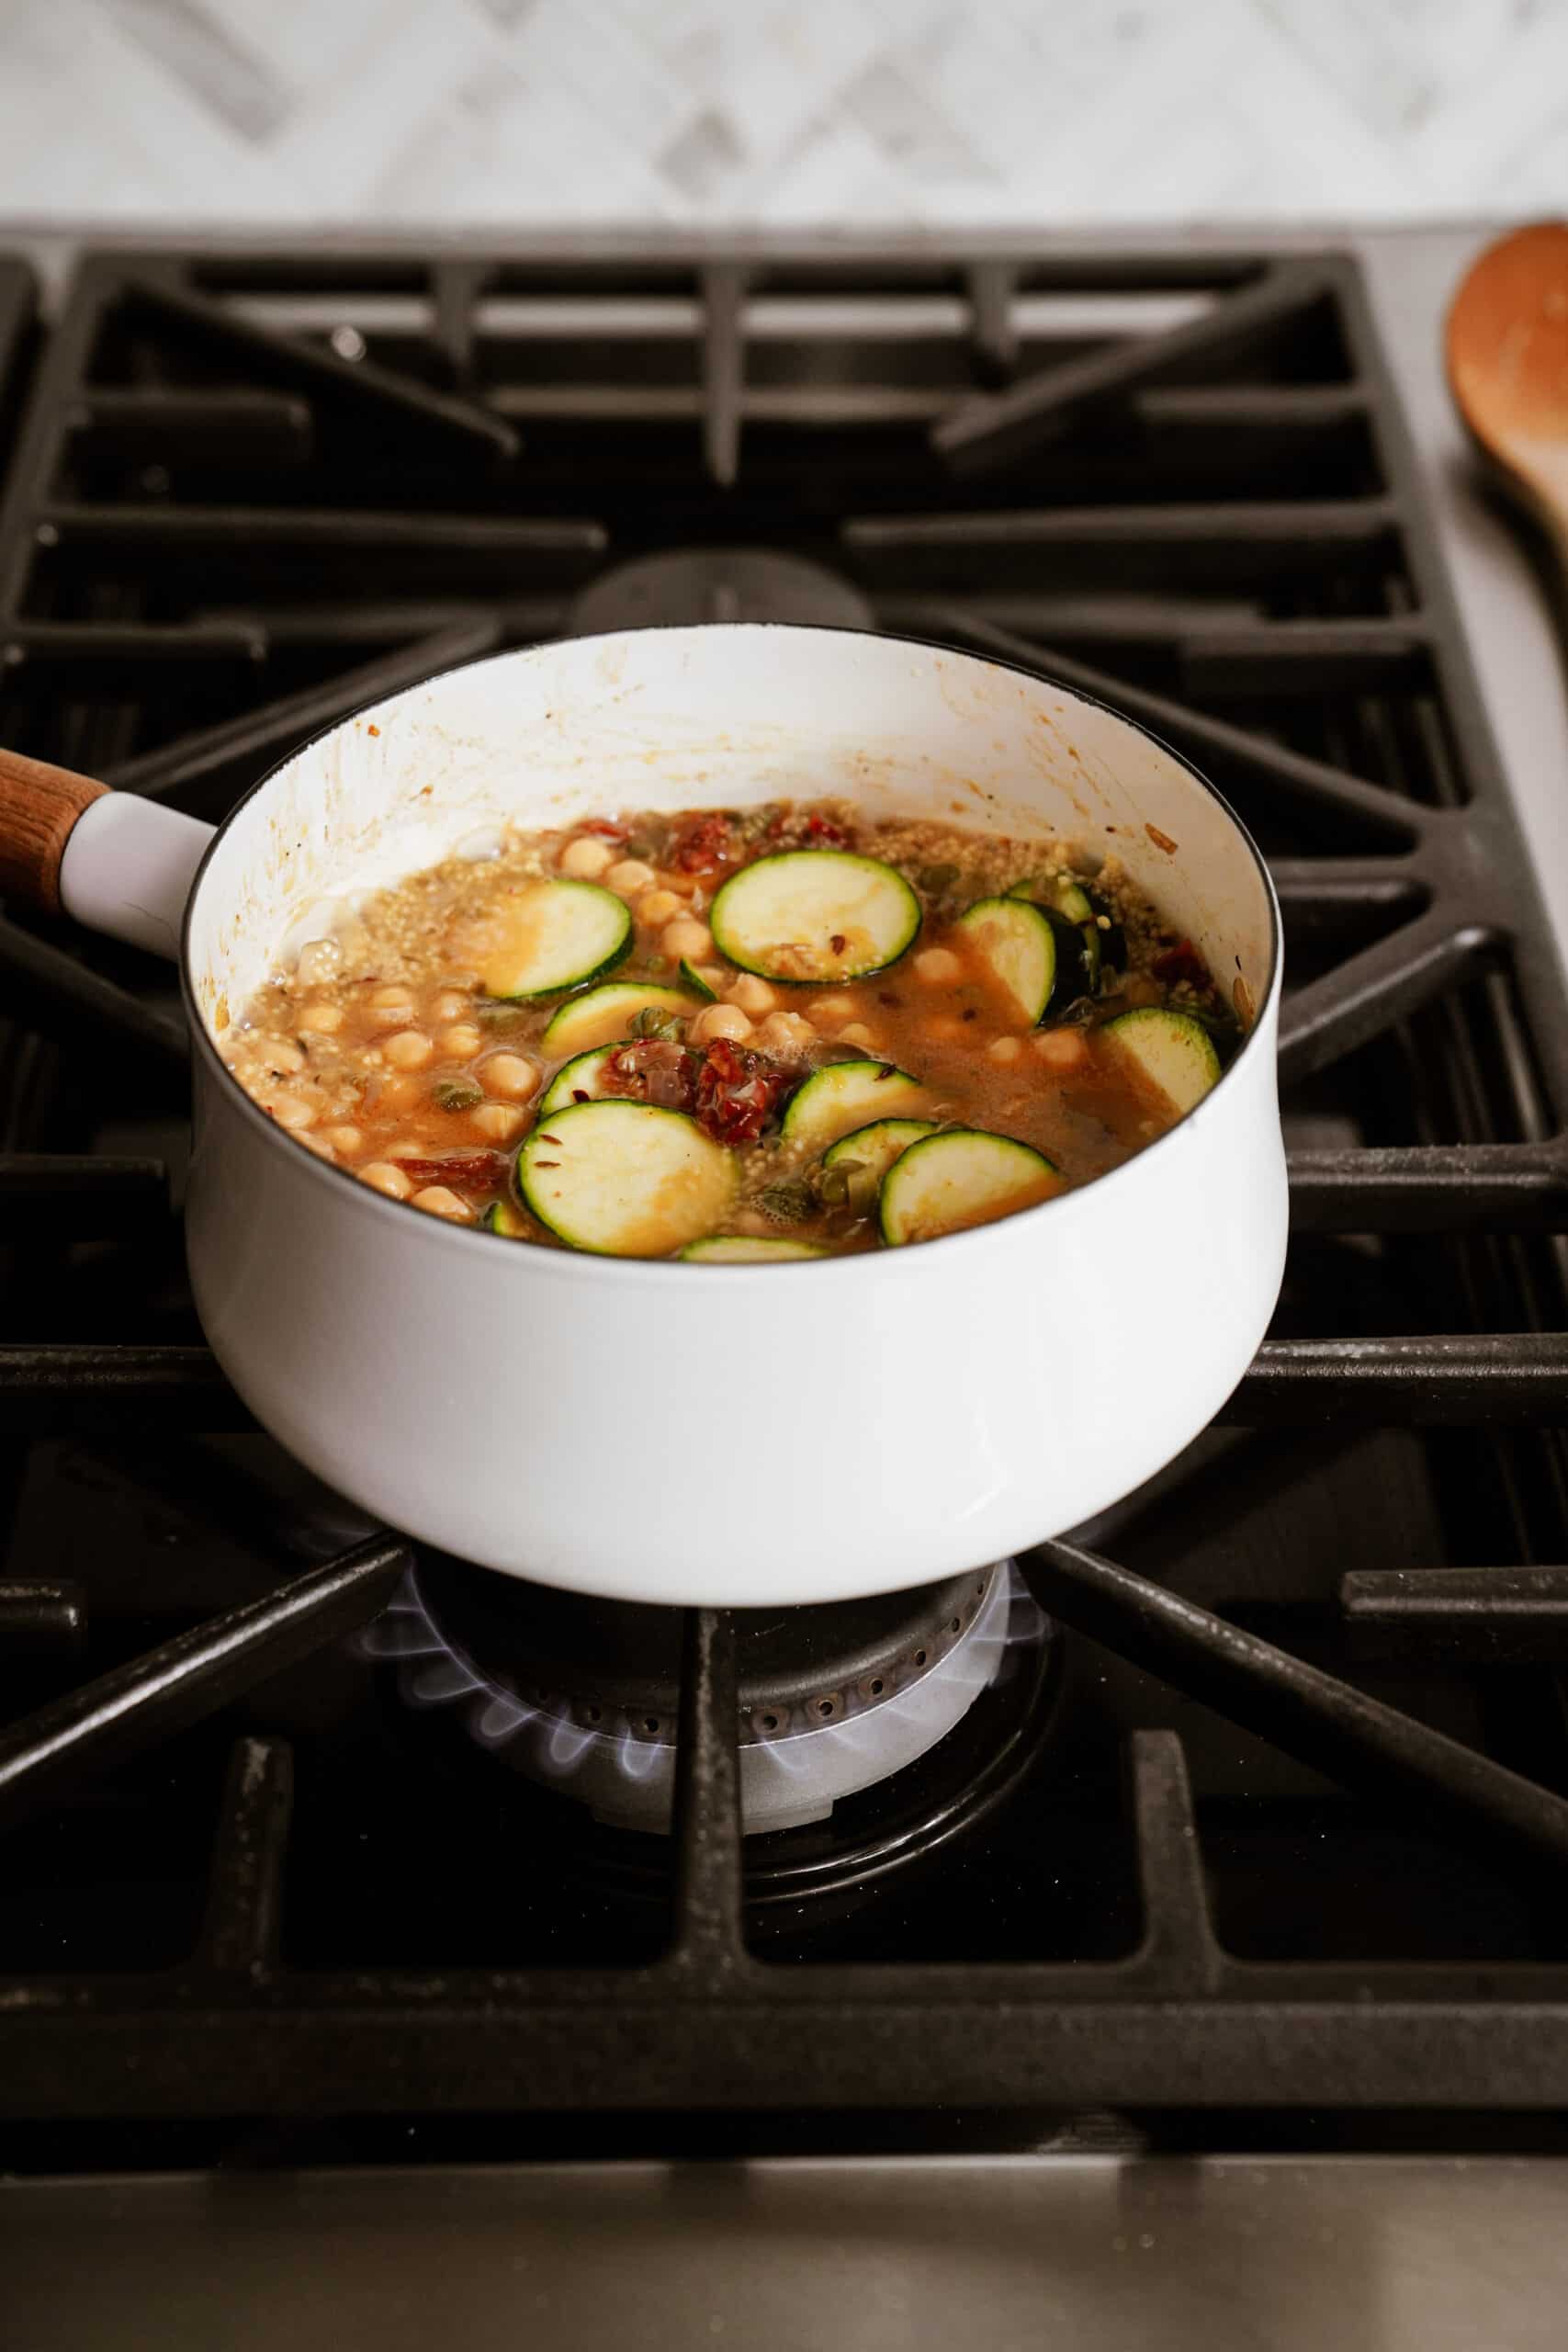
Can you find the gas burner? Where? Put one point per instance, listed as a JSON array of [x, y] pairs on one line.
[[717, 584], [584, 1695]]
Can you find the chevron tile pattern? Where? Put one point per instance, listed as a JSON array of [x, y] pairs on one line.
[[1050, 113]]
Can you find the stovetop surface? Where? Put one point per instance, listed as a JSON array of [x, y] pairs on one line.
[[255, 1898]]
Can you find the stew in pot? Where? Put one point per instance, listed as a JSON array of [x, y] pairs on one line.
[[739, 1036]]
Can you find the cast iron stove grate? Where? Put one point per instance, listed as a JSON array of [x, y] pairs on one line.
[[251, 493]]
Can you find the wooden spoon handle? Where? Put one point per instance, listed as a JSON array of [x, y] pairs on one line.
[[38, 805]]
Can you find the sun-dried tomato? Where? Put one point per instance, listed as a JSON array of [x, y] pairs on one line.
[[654, 1071], [814, 832], [738, 1092], [826, 833], [1182, 962], [473, 1171], [702, 846]]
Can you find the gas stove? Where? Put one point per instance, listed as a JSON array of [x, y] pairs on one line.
[[1238, 1819]]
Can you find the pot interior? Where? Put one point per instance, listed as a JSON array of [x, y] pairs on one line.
[[721, 715]]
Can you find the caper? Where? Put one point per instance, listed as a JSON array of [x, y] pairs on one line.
[[864, 1189], [787, 1203], [654, 1022], [457, 1094]]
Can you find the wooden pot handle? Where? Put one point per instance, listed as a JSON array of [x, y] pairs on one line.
[[38, 805]]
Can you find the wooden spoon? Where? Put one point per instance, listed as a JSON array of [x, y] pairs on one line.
[[1507, 361]]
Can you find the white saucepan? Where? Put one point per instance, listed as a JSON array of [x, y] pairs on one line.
[[684, 1433]]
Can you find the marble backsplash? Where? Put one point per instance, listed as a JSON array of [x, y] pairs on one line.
[[1040, 113]]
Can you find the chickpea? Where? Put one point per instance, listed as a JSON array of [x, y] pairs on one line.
[[446, 1004], [461, 1042], [685, 937], [410, 1050], [656, 908], [391, 1016], [752, 994], [938, 966], [383, 1178], [1061, 1049], [628, 876], [318, 1144], [585, 859], [289, 1110], [497, 1121], [942, 1029], [284, 1058], [855, 1033], [390, 993], [1005, 1049], [719, 1021], [510, 1075], [439, 1202], [321, 1019], [348, 1140], [788, 1035], [831, 1009]]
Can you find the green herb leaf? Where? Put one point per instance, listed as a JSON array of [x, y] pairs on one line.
[[457, 1094]]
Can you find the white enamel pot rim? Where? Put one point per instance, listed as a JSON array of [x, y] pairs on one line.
[[862, 1266], [551, 1415]]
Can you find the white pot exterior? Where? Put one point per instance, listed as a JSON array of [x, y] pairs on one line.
[[738, 1436]]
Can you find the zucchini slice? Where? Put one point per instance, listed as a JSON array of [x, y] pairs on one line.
[[693, 981], [1077, 965], [746, 1250], [964, 1177], [1058, 890], [876, 1147], [1079, 943], [556, 936], [808, 915], [1018, 942], [846, 1095], [604, 1015], [502, 1217], [578, 1079], [625, 1180], [1171, 1050]]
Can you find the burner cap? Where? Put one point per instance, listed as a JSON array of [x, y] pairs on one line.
[[717, 584]]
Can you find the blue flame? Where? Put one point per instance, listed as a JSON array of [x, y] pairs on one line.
[[432, 1674]]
